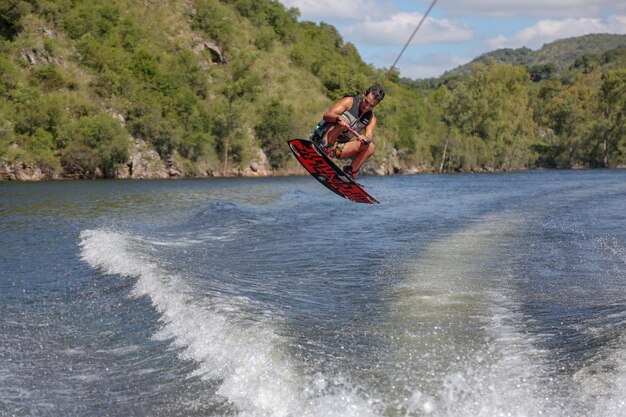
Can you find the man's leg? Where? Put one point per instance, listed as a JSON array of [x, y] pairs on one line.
[[360, 153], [332, 133]]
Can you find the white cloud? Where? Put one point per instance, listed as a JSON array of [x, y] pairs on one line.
[[352, 10], [532, 8], [429, 65], [398, 28], [458, 27], [546, 31], [418, 65], [340, 10]]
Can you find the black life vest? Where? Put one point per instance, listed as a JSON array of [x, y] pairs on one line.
[[358, 120]]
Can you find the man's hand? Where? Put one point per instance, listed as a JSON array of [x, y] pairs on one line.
[[341, 121]]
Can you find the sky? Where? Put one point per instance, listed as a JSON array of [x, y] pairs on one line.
[[457, 31]]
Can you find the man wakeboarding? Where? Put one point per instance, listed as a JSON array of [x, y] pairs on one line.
[[340, 133]]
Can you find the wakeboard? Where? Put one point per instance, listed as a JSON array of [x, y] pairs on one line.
[[322, 168]]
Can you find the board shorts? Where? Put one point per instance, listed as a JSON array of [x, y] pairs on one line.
[[318, 133], [338, 148]]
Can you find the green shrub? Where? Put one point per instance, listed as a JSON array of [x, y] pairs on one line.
[[49, 78], [9, 75], [40, 140], [7, 134], [33, 111], [273, 130], [195, 145], [105, 139], [11, 14], [145, 120], [89, 17], [40, 150], [215, 20], [79, 160]]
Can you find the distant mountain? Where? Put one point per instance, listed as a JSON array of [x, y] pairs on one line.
[[561, 53]]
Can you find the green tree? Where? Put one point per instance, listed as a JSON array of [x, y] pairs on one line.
[[587, 63], [241, 86], [542, 72], [440, 101], [9, 75], [493, 105], [269, 14], [321, 50], [34, 110], [402, 115], [611, 125], [49, 78], [146, 120], [273, 130], [567, 111], [11, 14], [215, 20], [549, 147], [94, 18], [97, 141], [40, 147]]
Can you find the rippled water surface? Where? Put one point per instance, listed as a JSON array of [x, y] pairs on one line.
[[463, 295]]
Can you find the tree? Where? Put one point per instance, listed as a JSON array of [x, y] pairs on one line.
[[241, 86], [11, 14], [97, 141], [567, 111], [146, 120], [611, 125], [321, 50], [587, 63], [441, 99], [542, 72], [493, 104], [215, 20], [273, 130]]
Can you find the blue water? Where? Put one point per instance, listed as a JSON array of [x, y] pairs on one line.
[[460, 295]]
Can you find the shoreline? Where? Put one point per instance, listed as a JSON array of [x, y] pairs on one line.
[[282, 173]]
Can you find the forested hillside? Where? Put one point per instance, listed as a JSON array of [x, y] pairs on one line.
[[147, 89], [559, 55]]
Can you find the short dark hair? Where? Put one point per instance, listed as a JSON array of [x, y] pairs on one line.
[[378, 91]]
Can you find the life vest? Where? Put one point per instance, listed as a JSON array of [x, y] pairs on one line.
[[357, 119]]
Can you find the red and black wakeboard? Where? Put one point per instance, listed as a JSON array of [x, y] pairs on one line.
[[319, 165]]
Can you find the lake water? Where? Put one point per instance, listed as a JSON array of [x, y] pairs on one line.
[[459, 295]]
